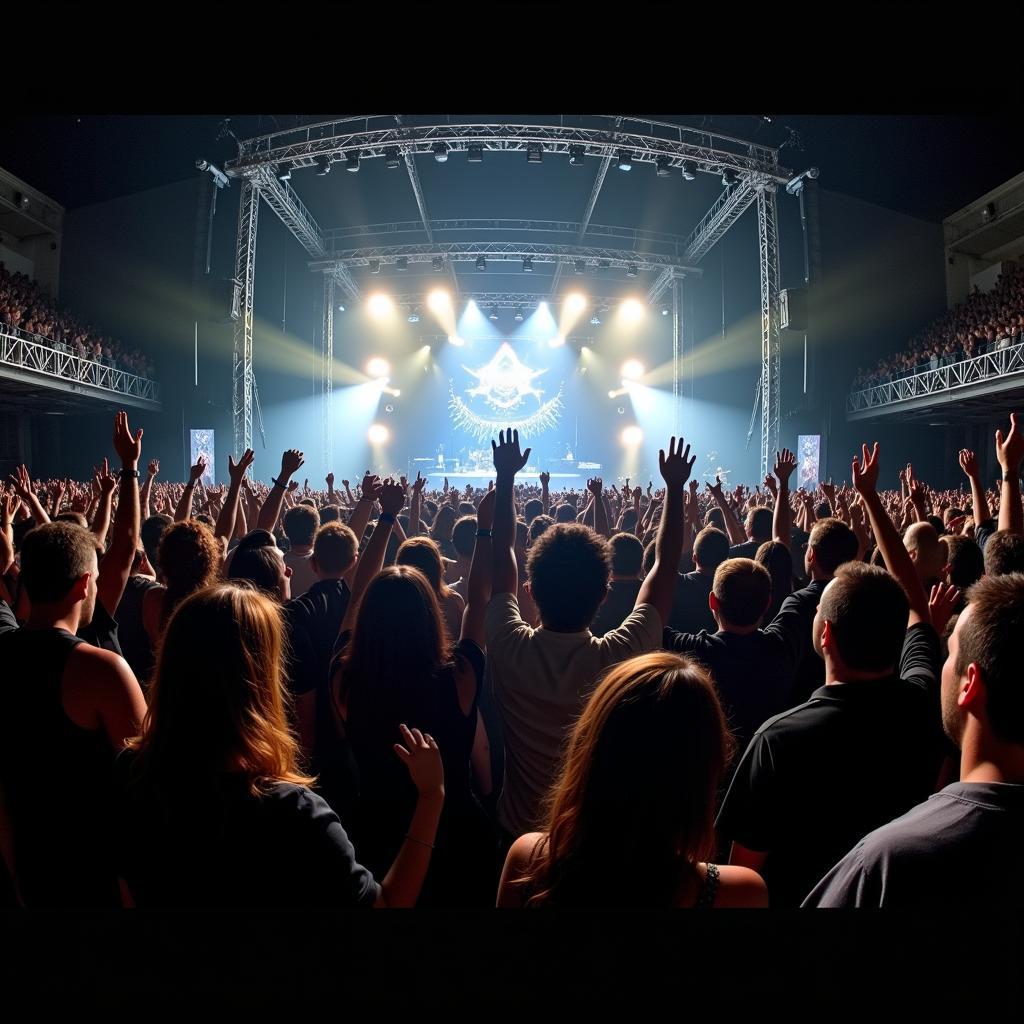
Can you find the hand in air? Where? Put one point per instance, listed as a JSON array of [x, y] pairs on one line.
[[197, 470], [236, 471], [865, 472], [291, 460], [508, 459], [1010, 451], [392, 497], [128, 448], [785, 463], [676, 466]]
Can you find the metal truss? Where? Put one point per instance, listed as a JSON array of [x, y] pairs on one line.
[[327, 376], [504, 300], [677, 338], [29, 357], [709, 151], [987, 374], [771, 375], [727, 209], [241, 360], [600, 258], [572, 340]]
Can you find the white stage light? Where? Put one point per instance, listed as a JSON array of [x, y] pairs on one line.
[[632, 309], [632, 369], [439, 301], [378, 367], [380, 306], [632, 436], [575, 303], [378, 434], [454, 339]]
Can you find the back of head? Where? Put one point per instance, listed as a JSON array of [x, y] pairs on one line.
[[965, 560], [711, 548], [72, 517], [533, 508], [301, 524], [151, 532], [330, 514], [775, 557], [627, 555], [53, 557], [650, 557], [565, 513], [644, 762], [217, 697], [568, 569], [464, 536], [759, 524], [937, 524], [833, 543], [716, 518], [1004, 553], [629, 519], [423, 553], [190, 559], [467, 508], [743, 589], [334, 548], [256, 539], [260, 566], [444, 523], [923, 539], [539, 525], [206, 520], [988, 635], [867, 610]]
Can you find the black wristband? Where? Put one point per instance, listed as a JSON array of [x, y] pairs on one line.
[[129, 472], [385, 517], [485, 533], [277, 483]]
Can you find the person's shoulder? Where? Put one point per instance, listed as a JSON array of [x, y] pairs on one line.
[[740, 887], [523, 850]]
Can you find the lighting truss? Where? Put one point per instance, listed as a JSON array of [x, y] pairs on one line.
[[241, 360], [771, 370], [504, 300]]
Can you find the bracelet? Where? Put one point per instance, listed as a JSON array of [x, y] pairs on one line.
[[277, 483], [413, 839], [129, 473], [485, 533]]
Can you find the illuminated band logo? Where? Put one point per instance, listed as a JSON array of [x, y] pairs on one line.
[[506, 385]]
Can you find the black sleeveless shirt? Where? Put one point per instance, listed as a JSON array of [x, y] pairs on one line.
[[57, 778]]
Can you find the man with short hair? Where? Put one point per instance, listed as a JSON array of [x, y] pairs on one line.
[[543, 676], [690, 609], [960, 849], [867, 746], [1004, 553], [922, 543], [463, 540], [627, 561], [300, 525]]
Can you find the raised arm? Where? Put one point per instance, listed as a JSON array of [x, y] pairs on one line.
[[101, 520], [897, 559], [184, 509], [116, 566], [782, 519], [732, 524], [596, 488], [478, 587], [508, 460], [1009, 453], [369, 492], [660, 585], [225, 529], [22, 483], [415, 504], [545, 497], [291, 460], [151, 472]]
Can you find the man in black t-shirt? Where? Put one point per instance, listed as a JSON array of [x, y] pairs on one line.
[[627, 560], [690, 610]]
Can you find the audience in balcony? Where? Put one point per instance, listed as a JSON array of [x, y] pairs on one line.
[[985, 322], [24, 304]]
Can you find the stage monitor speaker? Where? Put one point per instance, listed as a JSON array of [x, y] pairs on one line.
[[793, 309], [229, 298]]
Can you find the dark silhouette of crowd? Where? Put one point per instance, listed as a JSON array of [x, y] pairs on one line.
[[397, 695], [26, 307], [984, 322]]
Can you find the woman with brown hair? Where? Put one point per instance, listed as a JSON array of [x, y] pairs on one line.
[[216, 812], [424, 554], [630, 822]]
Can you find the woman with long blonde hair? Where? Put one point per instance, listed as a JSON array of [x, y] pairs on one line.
[[630, 820], [217, 811]]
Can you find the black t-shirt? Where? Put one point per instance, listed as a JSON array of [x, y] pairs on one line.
[[984, 531], [216, 845], [102, 631], [819, 777], [131, 633], [617, 606], [960, 850], [690, 610], [810, 672], [748, 549], [313, 621]]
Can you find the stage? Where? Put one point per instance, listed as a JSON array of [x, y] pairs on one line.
[[481, 477]]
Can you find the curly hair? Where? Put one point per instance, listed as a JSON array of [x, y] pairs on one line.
[[190, 559]]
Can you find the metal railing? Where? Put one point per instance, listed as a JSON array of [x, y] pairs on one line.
[[926, 381], [39, 355]]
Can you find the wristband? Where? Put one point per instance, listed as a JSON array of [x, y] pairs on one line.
[[129, 473], [413, 839], [385, 517], [277, 483], [485, 533]]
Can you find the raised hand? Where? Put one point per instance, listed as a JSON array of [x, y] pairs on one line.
[[650, 487], [419, 483], [237, 471], [197, 470], [371, 487], [676, 466], [329, 480], [128, 448], [305, 486], [969, 463], [941, 604], [637, 494], [154, 467], [716, 488], [485, 511], [865, 473], [293, 486], [345, 483], [508, 459], [1010, 451], [421, 756], [392, 497], [596, 486], [545, 479], [771, 485], [291, 460], [694, 486], [785, 463], [829, 490], [107, 480]]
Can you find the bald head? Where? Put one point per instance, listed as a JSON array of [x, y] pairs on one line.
[[922, 541]]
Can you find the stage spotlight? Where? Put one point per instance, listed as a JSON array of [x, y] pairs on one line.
[[689, 170], [729, 178], [323, 165], [664, 168], [632, 369], [389, 408], [575, 303], [380, 306], [476, 153], [402, 263], [481, 263], [397, 392], [493, 314], [392, 160], [631, 270], [596, 320], [437, 265], [378, 367], [518, 315], [440, 151], [341, 308], [414, 316], [378, 434], [575, 156], [352, 162], [374, 266], [284, 172], [439, 300], [625, 160], [612, 394], [534, 153], [621, 410], [527, 265], [632, 309], [454, 339], [579, 267], [631, 437], [665, 310]]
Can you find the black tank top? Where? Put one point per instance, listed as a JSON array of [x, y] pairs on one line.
[[57, 778]]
